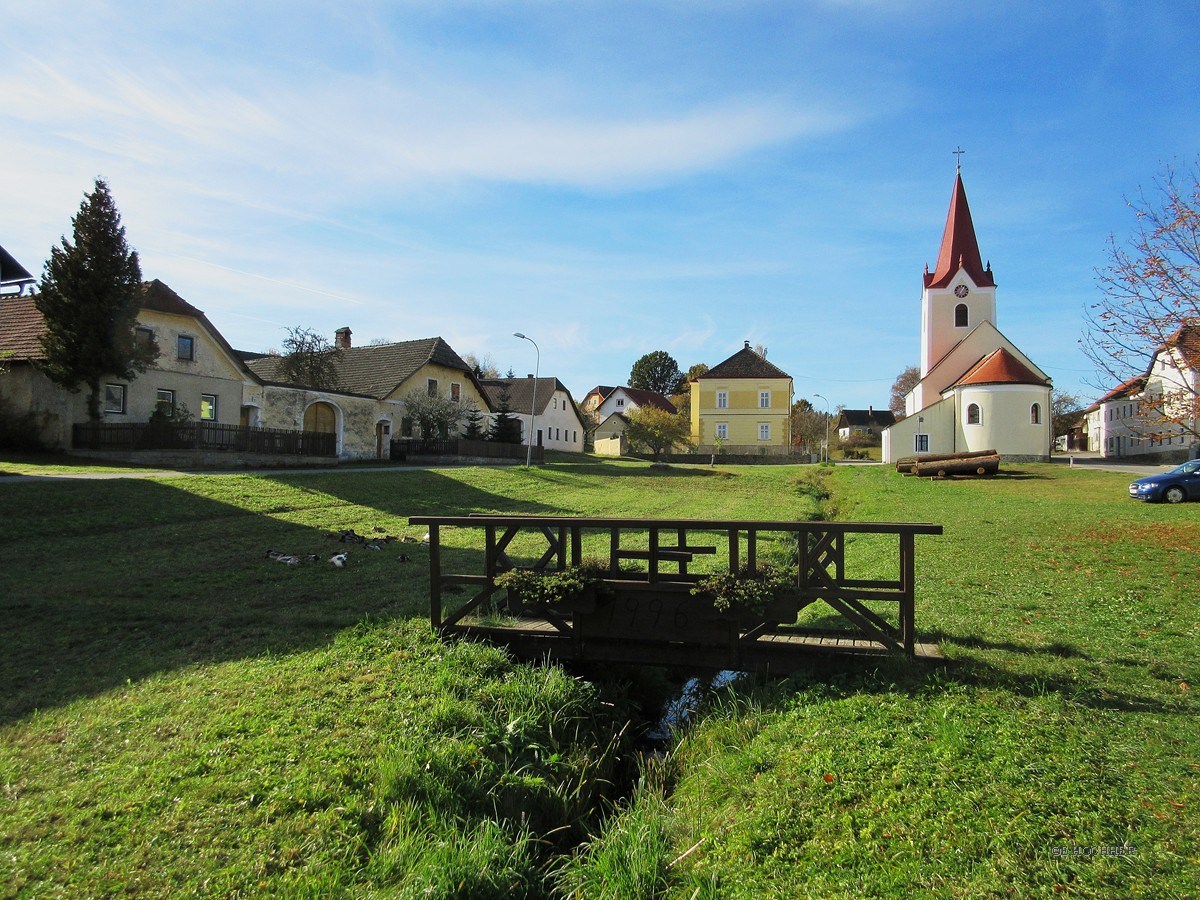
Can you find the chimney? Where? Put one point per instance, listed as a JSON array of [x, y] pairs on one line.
[[530, 375], [747, 345], [342, 338], [870, 411]]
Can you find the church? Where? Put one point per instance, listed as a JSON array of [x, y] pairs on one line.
[[977, 390]]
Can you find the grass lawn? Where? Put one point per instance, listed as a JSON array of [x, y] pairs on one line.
[[181, 715]]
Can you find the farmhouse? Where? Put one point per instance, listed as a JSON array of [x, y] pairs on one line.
[[558, 421], [1155, 414], [196, 370], [977, 389]]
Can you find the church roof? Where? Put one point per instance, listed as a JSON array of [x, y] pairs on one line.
[[960, 249], [1000, 367], [745, 364]]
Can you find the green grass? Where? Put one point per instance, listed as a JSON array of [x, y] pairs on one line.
[[180, 715]]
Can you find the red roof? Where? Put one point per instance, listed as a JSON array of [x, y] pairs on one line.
[[960, 249], [1187, 339], [21, 324], [1000, 367]]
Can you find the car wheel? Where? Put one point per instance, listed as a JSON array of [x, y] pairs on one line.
[[1174, 495]]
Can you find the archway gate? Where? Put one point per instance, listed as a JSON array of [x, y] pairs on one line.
[[645, 610]]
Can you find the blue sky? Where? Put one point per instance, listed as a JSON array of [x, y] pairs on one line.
[[608, 178]]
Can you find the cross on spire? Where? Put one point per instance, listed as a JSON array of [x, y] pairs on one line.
[[959, 151]]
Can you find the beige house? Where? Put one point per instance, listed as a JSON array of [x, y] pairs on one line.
[[367, 409], [196, 369], [743, 406]]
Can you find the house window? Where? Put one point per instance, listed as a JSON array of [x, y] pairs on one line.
[[722, 399], [1035, 414], [722, 431], [208, 407], [921, 444], [620, 403], [185, 347], [431, 387], [114, 398], [764, 431], [764, 399], [974, 414], [960, 316], [164, 402], [455, 392], [143, 336]]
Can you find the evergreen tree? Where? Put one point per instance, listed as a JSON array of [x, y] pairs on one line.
[[474, 427], [506, 428], [89, 295]]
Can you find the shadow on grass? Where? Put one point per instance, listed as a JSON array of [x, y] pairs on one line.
[[114, 581]]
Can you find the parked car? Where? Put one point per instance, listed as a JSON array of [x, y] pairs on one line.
[[1181, 483]]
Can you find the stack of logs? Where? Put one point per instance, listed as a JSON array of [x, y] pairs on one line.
[[939, 465]]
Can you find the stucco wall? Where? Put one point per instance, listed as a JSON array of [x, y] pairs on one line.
[[743, 414]]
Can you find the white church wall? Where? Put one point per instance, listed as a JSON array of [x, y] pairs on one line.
[[1006, 420]]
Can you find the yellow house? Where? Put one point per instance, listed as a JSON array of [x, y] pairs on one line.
[[743, 406]]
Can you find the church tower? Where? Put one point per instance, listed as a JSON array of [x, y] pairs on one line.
[[960, 292]]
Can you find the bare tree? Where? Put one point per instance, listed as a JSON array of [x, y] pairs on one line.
[[310, 359], [901, 387], [1147, 320], [483, 366]]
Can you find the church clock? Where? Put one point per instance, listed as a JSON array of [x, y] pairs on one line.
[[961, 291]]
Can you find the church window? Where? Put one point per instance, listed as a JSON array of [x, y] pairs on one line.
[[974, 414], [921, 444], [960, 316], [1035, 414]]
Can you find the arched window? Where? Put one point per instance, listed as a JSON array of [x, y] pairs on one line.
[[974, 414], [1035, 414], [960, 316]]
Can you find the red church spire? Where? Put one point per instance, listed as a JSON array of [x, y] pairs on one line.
[[960, 249]]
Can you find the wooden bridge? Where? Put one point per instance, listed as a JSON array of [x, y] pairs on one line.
[[645, 610]]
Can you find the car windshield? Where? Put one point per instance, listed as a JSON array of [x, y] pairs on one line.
[[1188, 468]]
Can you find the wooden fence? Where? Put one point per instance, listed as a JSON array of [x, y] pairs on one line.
[[408, 447], [645, 609], [201, 436]]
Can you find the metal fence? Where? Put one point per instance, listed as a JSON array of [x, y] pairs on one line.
[[201, 436], [406, 447]]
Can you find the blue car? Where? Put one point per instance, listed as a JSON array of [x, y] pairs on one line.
[[1181, 483]]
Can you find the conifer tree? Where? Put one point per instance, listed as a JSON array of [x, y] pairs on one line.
[[506, 428], [89, 296]]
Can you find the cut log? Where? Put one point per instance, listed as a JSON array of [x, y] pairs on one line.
[[940, 468], [907, 464]]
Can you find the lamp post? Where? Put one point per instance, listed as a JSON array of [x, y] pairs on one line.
[[827, 417], [533, 400]]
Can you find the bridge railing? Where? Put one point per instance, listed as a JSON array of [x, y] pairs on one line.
[[650, 575]]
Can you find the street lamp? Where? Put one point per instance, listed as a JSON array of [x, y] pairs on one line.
[[533, 400], [827, 418]]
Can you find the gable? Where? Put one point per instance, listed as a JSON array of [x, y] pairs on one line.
[[983, 340]]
